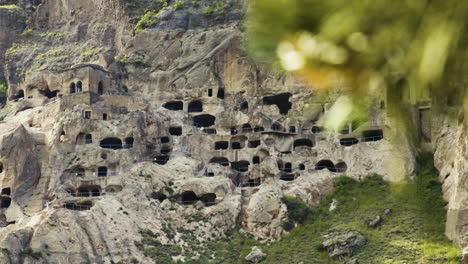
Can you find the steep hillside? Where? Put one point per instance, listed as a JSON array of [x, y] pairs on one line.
[[142, 132]]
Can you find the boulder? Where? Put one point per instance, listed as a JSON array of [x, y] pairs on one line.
[[341, 244], [375, 222], [256, 255]]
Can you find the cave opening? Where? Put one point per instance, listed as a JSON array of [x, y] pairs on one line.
[[79, 87], [174, 105], [236, 145], [100, 88], [205, 120], [210, 92], [88, 139], [241, 166], [372, 135], [301, 166], [288, 177], [233, 131], [303, 142], [287, 167], [221, 145], [189, 197], [79, 172], [111, 143], [220, 160], [244, 107], [195, 107], [19, 95], [159, 196], [292, 129], [280, 100], [341, 166], [208, 199], [348, 141], [276, 127], [256, 160], [220, 94], [95, 192], [83, 192], [246, 128], [102, 172], [175, 131], [72, 88], [325, 164], [254, 143], [6, 191], [316, 129], [164, 139], [259, 129], [161, 159], [253, 182], [49, 94]]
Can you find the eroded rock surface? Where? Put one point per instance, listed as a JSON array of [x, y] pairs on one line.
[[110, 132]]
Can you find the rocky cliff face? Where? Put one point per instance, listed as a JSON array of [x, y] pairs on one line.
[[450, 159], [111, 131]]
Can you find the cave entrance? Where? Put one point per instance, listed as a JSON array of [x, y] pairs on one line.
[[6, 191], [256, 160], [246, 128], [220, 160], [128, 142], [303, 142], [221, 145], [102, 172], [276, 127], [259, 129], [208, 199], [220, 94], [161, 159], [72, 88], [174, 105], [189, 197], [20, 95], [100, 88], [348, 141], [79, 87], [281, 101], [49, 94], [175, 131], [325, 164], [204, 120], [111, 143], [341, 167], [241, 166], [159, 196], [195, 107], [254, 143], [316, 129], [253, 182], [372, 135]]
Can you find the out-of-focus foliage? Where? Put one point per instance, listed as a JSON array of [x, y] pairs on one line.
[[412, 49]]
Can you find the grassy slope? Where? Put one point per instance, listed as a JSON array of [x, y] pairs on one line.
[[413, 233]]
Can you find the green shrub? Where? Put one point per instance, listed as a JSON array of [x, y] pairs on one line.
[[287, 225], [297, 210], [195, 4], [3, 91], [208, 10], [179, 5], [150, 19]]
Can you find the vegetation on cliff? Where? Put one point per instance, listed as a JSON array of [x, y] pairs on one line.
[[413, 232]]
